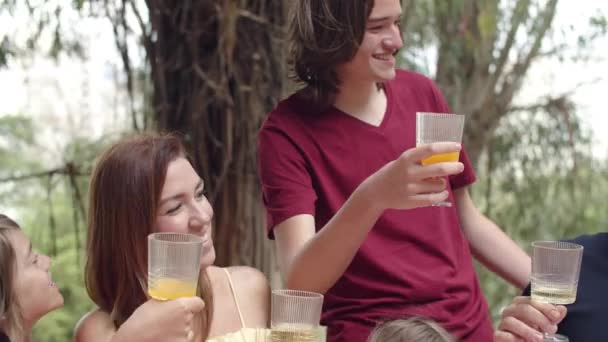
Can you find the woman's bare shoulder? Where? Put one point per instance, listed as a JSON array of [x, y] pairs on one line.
[[95, 326], [253, 294], [248, 277]]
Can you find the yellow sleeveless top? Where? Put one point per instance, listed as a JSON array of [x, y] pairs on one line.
[[244, 334]]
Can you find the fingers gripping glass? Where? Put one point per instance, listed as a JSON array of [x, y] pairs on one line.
[[439, 127], [173, 265], [556, 267]]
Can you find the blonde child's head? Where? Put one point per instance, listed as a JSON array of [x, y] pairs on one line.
[[413, 329]]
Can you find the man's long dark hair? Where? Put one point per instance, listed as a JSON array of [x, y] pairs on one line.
[[324, 34]]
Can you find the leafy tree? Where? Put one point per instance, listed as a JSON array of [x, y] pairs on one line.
[[484, 50]]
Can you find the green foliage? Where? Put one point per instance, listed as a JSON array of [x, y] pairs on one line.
[[17, 129], [16, 139]]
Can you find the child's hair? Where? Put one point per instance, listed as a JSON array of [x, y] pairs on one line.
[[413, 329], [10, 313]]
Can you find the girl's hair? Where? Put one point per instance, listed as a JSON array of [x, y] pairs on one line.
[[413, 329], [124, 194], [324, 34], [11, 319]]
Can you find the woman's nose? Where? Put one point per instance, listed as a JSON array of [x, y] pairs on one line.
[[46, 262], [201, 215]]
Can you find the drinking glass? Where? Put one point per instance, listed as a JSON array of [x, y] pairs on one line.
[[295, 316], [556, 267], [174, 261], [439, 127]]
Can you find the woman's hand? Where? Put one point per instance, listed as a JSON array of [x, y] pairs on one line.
[[154, 320], [526, 320]]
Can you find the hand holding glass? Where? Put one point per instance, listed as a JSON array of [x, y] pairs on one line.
[[555, 271], [173, 265], [439, 127]]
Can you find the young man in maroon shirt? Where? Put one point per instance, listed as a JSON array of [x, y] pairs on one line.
[[347, 199]]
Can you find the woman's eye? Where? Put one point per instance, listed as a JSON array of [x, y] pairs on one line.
[[201, 193], [35, 260], [174, 209]]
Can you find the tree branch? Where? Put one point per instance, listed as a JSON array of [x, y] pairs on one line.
[[516, 21], [41, 174], [554, 99]]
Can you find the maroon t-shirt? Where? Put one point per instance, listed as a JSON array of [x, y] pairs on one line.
[[413, 262]]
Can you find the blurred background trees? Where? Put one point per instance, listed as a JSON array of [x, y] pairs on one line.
[[212, 70]]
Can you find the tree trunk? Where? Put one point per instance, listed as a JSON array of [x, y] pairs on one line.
[[218, 68]]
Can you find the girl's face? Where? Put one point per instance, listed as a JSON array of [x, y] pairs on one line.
[[375, 60], [36, 292], [184, 208]]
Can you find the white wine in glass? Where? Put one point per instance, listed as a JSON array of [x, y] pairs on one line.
[[295, 316], [553, 293], [297, 333], [555, 271]]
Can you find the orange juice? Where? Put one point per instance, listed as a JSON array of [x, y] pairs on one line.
[[171, 288], [442, 157]]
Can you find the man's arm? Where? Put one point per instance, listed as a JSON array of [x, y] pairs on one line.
[[490, 245], [314, 262]]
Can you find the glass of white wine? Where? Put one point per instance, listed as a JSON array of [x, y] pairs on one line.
[[295, 316], [556, 267]]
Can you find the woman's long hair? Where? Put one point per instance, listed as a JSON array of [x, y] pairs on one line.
[[124, 194], [11, 319]]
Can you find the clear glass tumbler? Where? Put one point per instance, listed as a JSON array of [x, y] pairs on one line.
[[173, 265], [556, 268], [295, 316], [439, 127]]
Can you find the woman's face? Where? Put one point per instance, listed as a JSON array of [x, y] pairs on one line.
[[184, 208], [36, 292]]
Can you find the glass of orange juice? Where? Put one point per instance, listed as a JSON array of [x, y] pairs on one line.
[[439, 127], [173, 265]]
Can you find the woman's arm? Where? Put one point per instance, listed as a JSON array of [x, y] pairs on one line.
[[152, 321]]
